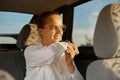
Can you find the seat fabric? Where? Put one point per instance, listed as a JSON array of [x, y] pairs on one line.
[[12, 62], [106, 45]]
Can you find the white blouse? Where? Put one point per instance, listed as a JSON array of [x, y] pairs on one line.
[[48, 63]]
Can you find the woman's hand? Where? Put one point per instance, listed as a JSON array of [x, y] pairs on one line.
[[70, 53]]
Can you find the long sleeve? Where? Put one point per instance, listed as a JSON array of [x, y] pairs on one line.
[[48, 63], [38, 55], [77, 76]]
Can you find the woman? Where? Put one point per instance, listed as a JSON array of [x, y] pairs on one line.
[[51, 59]]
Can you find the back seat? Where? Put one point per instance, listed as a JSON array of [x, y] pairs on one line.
[[12, 62]]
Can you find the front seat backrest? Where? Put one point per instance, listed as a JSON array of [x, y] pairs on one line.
[[28, 36], [106, 45]]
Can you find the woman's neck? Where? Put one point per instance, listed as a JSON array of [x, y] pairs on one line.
[[45, 43]]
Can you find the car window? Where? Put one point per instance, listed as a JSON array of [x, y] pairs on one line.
[[85, 17], [4, 40], [12, 23]]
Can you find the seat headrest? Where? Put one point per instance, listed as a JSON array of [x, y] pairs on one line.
[[28, 36], [107, 32]]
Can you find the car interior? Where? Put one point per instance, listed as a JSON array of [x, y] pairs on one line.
[[99, 62]]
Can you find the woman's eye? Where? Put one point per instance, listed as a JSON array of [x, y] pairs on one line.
[[52, 27], [63, 28]]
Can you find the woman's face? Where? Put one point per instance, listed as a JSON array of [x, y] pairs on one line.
[[52, 31]]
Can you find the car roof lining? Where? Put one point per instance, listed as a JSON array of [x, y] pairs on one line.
[[34, 6]]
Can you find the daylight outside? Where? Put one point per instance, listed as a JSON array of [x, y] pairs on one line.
[[85, 17]]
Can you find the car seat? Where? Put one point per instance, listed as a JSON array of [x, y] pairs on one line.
[[106, 45], [28, 36], [12, 62]]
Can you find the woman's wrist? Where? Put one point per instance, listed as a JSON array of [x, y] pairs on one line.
[[71, 68]]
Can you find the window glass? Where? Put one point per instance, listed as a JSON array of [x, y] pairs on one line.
[[12, 23], [85, 17], [7, 40]]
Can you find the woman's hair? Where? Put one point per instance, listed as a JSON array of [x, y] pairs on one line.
[[43, 16]]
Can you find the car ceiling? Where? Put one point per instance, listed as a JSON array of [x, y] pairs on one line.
[[33, 6]]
